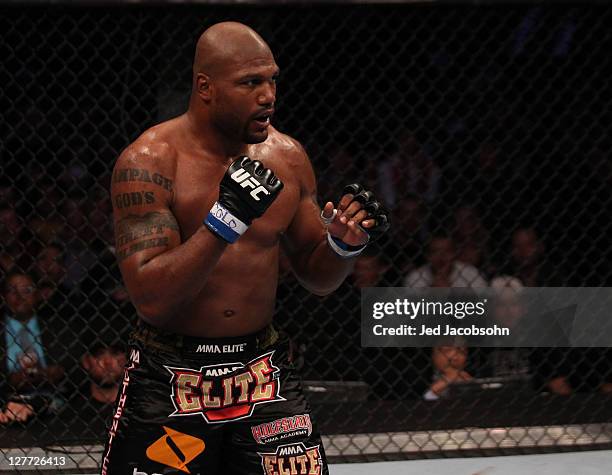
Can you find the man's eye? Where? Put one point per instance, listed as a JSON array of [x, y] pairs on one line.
[[252, 82]]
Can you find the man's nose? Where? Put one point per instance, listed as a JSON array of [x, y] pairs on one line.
[[267, 94]]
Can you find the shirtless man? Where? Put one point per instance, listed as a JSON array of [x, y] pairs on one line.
[[210, 387]]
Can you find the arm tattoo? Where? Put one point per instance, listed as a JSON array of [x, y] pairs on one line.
[[135, 198], [133, 226], [141, 175], [141, 246]]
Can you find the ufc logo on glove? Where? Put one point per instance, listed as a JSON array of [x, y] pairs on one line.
[[236, 208], [245, 179]]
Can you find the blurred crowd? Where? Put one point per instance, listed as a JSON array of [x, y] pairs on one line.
[[455, 224], [65, 314]]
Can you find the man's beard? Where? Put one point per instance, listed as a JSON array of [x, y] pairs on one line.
[[237, 130]]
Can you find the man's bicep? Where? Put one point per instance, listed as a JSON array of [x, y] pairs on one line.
[[141, 236], [144, 224]]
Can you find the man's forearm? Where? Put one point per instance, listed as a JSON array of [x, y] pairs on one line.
[[324, 271], [174, 278]]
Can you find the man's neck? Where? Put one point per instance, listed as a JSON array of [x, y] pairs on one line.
[[209, 140]]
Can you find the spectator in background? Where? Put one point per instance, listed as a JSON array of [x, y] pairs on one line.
[[78, 239], [100, 215], [16, 411], [333, 315], [87, 241], [482, 174], [443, 269], [20, 408], [408, 237], [12, 239], [410, 218], [509, 312], [528, 260], [341, 168], [46, 224], [546, 368], [373, 268], [28, 347], [59, 301], [571, 369], [75, 177], [370, 268], [449, 362], [104, 367], [112, 313], [86, 311], [112, 316], [97, 385], [410, 170], [51, 270], [471, 239]]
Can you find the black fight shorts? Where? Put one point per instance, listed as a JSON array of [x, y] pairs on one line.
[[211, 407]]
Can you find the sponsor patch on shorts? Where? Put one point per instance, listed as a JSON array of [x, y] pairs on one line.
[[175, 449], [292, 459], [226, 392], [280, 429]]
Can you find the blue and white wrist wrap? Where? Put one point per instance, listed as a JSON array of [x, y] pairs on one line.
[[343, 249], [224, 224]]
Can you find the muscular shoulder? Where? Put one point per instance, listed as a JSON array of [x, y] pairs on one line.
[[153, 149], [150, 159], [293, 155], [288, 148]]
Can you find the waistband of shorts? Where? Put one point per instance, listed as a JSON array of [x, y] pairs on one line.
[[156, 338]]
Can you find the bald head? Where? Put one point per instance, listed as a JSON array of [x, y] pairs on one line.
[[227, 44], [234, 83]]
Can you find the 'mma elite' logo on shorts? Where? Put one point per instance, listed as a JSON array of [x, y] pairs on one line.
[[228, 392], [292, 458]]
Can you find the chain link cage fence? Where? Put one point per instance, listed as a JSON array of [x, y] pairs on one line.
[[486, 131]]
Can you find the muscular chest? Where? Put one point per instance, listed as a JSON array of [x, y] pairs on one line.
[[196, 188]]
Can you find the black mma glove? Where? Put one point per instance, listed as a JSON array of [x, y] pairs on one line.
[[246, 191], [375, 210]]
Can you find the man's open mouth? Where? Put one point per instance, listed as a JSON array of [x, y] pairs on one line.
[[263, 119]]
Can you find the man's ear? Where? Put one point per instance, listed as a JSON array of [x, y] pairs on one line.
[[204, 87]]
